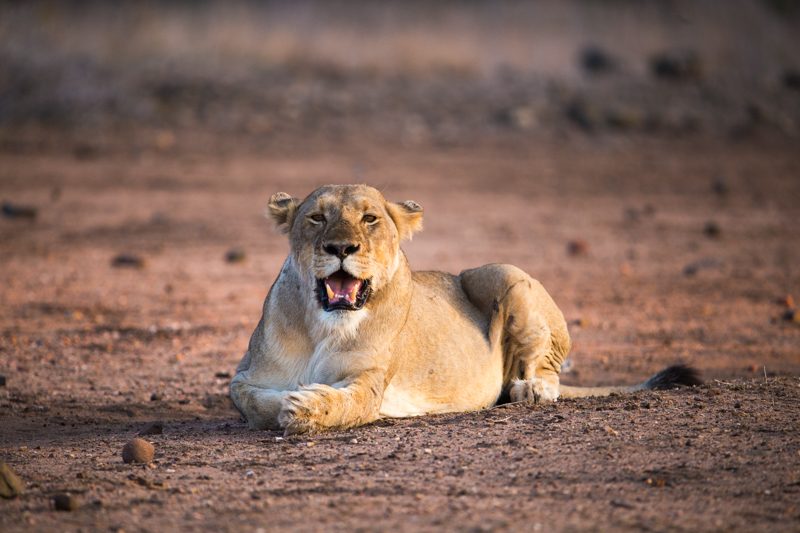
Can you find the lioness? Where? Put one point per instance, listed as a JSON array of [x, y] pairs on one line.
[[349, 333]]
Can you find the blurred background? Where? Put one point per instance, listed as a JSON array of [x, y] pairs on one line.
[[444, 72]]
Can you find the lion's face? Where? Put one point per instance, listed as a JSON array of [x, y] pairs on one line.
[[345, 241]]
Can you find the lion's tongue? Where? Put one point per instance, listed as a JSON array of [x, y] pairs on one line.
[[341, 288]]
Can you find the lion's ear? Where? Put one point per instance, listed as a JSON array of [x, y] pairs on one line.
[[282, 208], [407, 217]]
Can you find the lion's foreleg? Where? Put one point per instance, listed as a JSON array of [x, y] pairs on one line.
[[316, 407], [259, 406]]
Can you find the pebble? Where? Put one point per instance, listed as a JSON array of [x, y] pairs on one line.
[[2, 380], [153, 428], [11, 485], [577, 247], [65, 502], [235, 255], [720, 186], [138, 451], [127, 261], [595, 60], [582, 114], [791, 79], [676, 65], [712, 230], [19, 211]]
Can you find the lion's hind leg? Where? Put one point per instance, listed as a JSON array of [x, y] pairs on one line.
[[527, 324]]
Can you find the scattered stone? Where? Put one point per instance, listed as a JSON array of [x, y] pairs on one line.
[[791, 79], [677, 65], [222, 375], [720, 186], [703, 264], [235, 255], [624, 119], [577, 247], [153, 428], [519, 117], [791, 315], [19, 211], [127, 261], [155, 397], [65, 502], [84, 151], [583, 115], [621, 504], [712, 230], [2, 380], [595, 60], [11, 485], [138, 451]]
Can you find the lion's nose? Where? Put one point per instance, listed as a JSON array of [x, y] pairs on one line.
[[341, 250]]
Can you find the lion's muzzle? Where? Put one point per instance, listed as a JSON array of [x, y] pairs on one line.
[[341, 291]]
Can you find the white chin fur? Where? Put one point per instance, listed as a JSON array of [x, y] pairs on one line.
[[341, 325]]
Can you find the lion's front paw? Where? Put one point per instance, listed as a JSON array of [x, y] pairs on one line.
[[305, 410], [533, 390]]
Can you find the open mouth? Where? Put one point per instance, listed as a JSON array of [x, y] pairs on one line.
[[342, 291]]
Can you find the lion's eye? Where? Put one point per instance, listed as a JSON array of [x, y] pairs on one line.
[[370, 219], [317, 219]]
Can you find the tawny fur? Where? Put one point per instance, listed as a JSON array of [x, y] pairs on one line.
[[425, 342]]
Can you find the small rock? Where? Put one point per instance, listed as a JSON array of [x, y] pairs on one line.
[[19, 211], [676, 65], [791, 79], [127, 261], [235, 255], [11, 485], [222, 375], [65, 502], [519, 117], [624, 119], [712, 230], [353, 441], [577, 247], [153, 428], [582, 114], [719, 186], [703, 264], [595, 60], [791, 315], [138, 451], [787, 301], [155, 397], [84, 151], [2, 380]]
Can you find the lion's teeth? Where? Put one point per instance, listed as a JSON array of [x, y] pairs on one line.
[[331, 295], [354, 292]]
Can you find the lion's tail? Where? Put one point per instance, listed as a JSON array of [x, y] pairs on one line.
[[669, 378]]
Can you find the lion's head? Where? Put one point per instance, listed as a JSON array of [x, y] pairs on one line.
[[345, 241]]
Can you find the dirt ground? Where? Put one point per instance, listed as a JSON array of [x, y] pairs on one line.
[[666, 231]]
